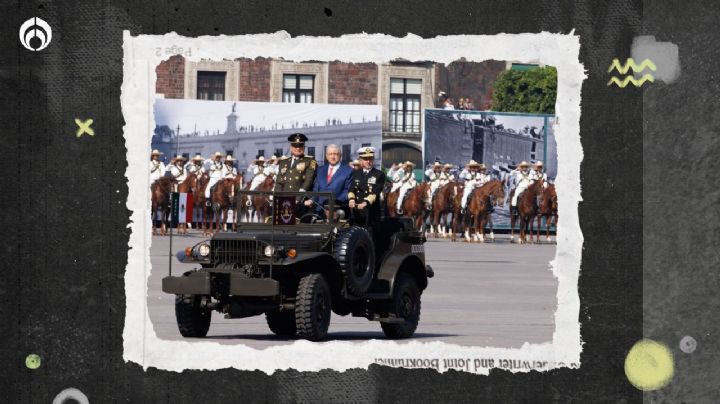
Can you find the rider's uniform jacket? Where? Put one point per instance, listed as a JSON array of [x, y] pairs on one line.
[[229, 171], [157, 170], [177, 173]]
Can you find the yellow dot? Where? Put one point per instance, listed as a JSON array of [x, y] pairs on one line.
[[32, 361], [649, 365]]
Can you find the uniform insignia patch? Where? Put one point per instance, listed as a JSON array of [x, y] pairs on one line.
[[313, 164], [283, 170], [372, 180], [300, 166]]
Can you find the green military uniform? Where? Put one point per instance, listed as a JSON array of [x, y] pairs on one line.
[[298, 173]]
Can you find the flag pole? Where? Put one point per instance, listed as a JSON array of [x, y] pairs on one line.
[[171, 235]]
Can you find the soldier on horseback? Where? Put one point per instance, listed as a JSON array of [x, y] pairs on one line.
[[446, 176], [434, 175], [537, 173], [157, 168], [406, 179], [259, 172], [195, 166], [475, 176], [177, 171], [522, 181], [214, 168], [229, 171]]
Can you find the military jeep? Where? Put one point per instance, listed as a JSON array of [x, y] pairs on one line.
[[295, 266]]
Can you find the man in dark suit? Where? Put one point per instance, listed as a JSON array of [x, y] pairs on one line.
[[365, 188], [332, 177], [297, 172]]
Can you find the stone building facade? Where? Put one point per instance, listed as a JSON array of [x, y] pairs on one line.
[[403, 89]]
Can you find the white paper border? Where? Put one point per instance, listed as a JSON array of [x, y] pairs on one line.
[[141, 56]]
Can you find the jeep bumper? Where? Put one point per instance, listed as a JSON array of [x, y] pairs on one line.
[[200, 283]]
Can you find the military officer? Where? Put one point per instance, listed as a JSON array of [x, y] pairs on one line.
[[157, 168], [214, 168], [522, 181], [297, 172], [177, 171], [366, 185]]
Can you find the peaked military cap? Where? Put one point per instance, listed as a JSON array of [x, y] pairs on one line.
[[297, 139]]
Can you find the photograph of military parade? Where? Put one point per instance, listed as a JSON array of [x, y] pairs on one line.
[[286, 192]]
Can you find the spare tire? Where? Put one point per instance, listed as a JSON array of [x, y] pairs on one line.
[[355, 253]]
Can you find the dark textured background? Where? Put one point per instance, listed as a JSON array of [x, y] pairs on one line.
[[65, 221]]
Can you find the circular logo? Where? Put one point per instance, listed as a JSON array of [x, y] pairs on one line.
[[35, 34], [33, 361]]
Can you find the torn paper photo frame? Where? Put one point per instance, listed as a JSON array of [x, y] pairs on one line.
[[143, 53]]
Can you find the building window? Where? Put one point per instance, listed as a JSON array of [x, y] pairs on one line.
[[186, 156], [211, 86], [278, 152], [311, 151], [366, 145], [298, 88], [228, 152], [346, 153], [260, 152], [405, 105]]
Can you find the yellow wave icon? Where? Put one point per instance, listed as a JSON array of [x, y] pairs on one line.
[[631, 79], [630, 64]]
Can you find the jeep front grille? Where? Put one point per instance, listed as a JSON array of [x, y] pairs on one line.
[[240, 252]]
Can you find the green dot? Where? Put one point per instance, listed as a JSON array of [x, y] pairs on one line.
[[32, 361]]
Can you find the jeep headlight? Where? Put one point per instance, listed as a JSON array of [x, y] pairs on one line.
[[204, 250], [269, 251]]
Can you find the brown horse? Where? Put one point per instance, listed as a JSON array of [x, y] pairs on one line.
[[222, 199], [442, 205], [526, 211], [491, 193], [160, 199], [391, 198], [547, 208], [417, 203], [187, 186], [257, 207], [204, 213]]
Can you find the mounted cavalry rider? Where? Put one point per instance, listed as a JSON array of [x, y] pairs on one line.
[[214, 168], [522, 181], [229, 171], [195, 166], [157, 168], [434, 175], [537, 173], [177, 171], [406, 178], [259, 171], [446, 176], [475, 176]]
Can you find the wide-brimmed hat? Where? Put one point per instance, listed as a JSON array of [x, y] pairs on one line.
[[538, 163], [482, 166], [473, 163], [217, 154], [523, 164], [297, 139], [181, 157], [198, 158], [448, 165], [409, 163], [437, 164], [229, 158], [366, 152], [355, 162], [260, 159], [156, 152], [274, 157]]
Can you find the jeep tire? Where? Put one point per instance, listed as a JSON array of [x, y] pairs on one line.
[[312, 307], [355, 253], [192, 320], [405, 305], [281, 323]]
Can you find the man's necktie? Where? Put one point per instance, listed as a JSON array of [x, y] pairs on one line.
[[329, 175]]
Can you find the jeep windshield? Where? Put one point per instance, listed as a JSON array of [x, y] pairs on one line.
[[286, 210]]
